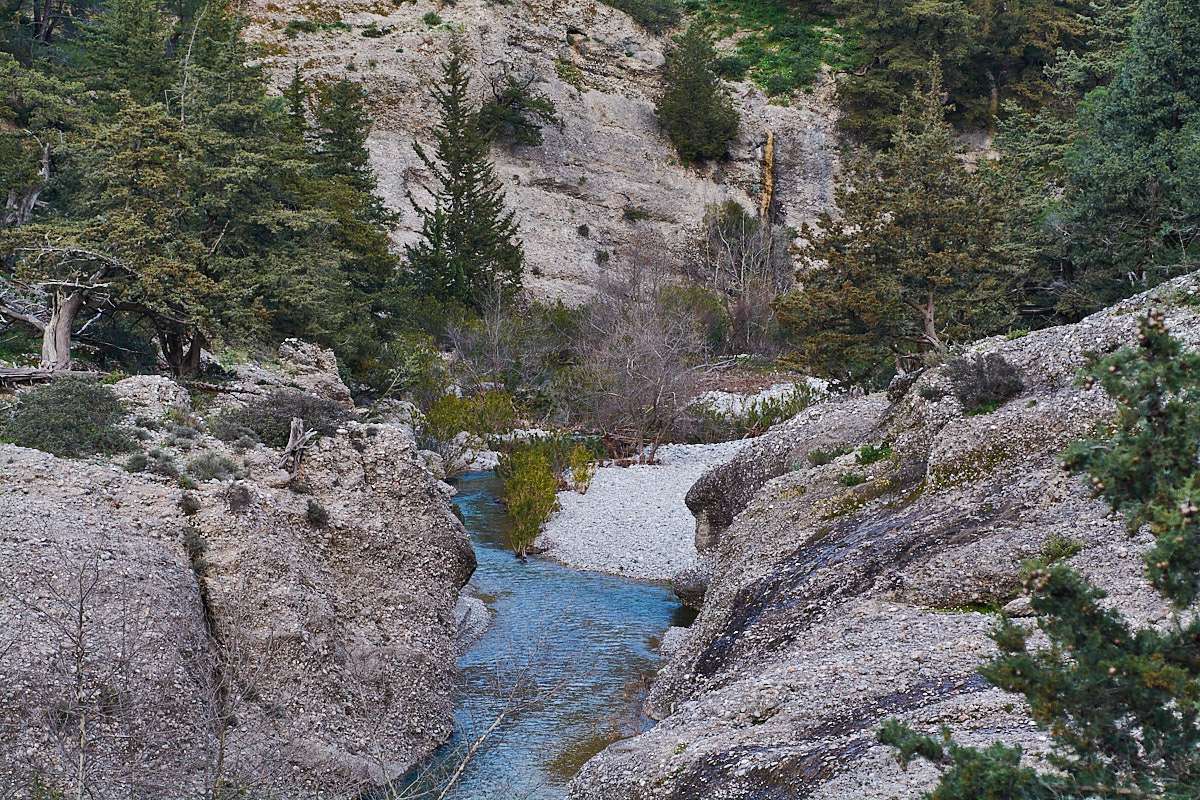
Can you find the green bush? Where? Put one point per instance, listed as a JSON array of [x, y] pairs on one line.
[[516, 113], [316, 514], [269, 419], [211, 465], [695, 110], [851, 478], [870, 453], [481, 415], [431, 19], [825, 455], [70, 416], [155, 461], [530, 495], [582, 463]]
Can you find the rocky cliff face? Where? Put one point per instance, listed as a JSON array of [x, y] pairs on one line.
[[830, 607], [160, 647], [608, 167]]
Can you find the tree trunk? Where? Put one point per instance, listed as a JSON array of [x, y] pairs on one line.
[[181, 350], [56, 336], [930, 325]]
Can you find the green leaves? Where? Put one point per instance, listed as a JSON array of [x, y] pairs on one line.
[[695, 110]]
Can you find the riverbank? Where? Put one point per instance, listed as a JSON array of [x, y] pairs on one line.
[[632, 521]]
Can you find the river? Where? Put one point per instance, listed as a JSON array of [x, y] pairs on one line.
[[587, 641]]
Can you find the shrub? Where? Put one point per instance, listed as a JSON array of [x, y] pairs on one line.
[[189, 504], [602, 257], [982, 383], [481, 415], [298, 26], [530, 494], [870, 453], [695, 110], [70, 416], [655, 16], [431, 19], [583, 231], [269, 419], [635, 214], [238, 497], [1057, 548], [583, 467], [211, 465], [822, 456], [316, 514], [155, 461], [851, 478], [516, 113]]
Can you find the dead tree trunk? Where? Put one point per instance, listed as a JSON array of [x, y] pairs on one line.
[[298, 439], [56, 335]]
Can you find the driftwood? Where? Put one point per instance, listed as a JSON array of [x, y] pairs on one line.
[[298, 439], [28, 376]]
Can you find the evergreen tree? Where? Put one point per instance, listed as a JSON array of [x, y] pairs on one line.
[[295, 98], [695, 110], [342, 126], [911, 264], [125, 49], [990, 53], [1132, 199], [1118, 702], [469, 251]]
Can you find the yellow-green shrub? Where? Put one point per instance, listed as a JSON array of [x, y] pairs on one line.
[[529, 494], [583, 467], [482, 415]]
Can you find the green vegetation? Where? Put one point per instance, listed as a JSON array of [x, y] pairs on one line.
[[779, 46], [695, 110], [516, 112], [655, 16], [982, 383], [852, 478], [432, 19], [582, 464], [910, 266], [870, 453], [469, 253], [212, 466], [1056, 548], [480, 415], [530, 495], [268, 420], [822, 456], [990, 53], [316, 514], [1115, 700], [70, 417]]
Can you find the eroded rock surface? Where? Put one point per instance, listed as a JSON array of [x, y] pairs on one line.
[[257, 633], [601, 182], [833, 602]]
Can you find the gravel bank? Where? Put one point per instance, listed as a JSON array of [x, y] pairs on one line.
[[633, 521]]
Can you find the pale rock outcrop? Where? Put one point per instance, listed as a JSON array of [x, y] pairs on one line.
[[605, 167], [831, 607], [301, 634]]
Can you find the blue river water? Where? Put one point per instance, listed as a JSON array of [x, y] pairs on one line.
[[582, 644]]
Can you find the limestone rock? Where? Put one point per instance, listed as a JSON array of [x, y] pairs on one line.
[[831, 607]]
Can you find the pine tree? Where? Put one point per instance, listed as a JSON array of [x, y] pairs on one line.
[[1132, 198], [469, 251], [1118, 702], [125, 48], [342, 126], [911, 264], [695, 110], [295, 98]]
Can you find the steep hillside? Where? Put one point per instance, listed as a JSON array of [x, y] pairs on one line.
[[840, 593], [607, 168]]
